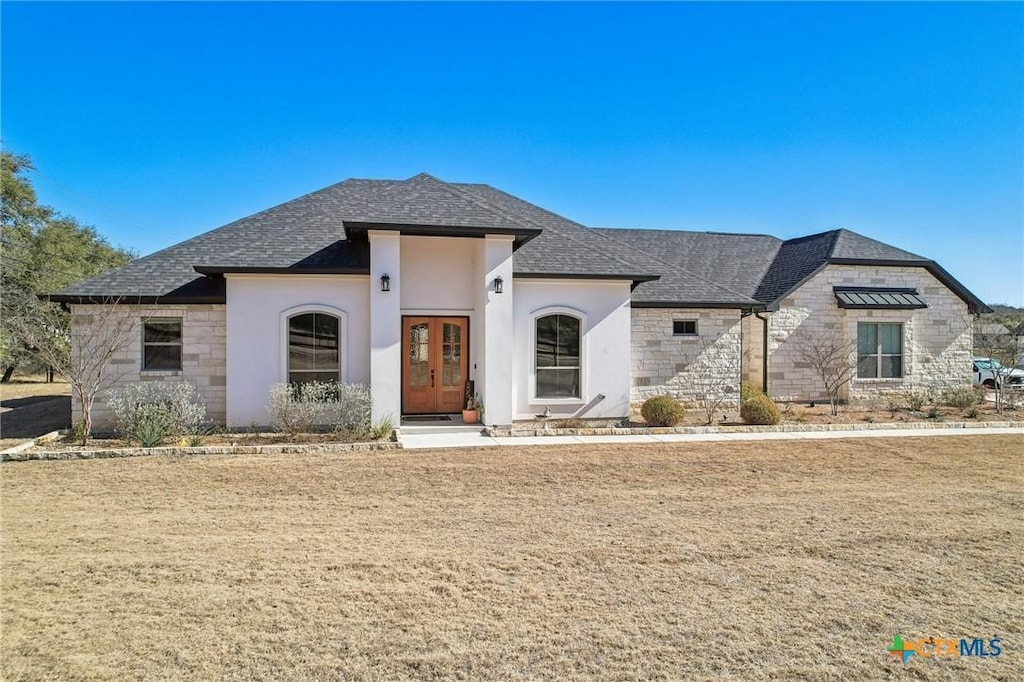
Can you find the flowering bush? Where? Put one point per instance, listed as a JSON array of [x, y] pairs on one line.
[[320, 406], [149, 411]]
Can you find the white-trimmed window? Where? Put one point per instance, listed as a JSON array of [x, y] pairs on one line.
[[684, 327], [879, 350], [161, 344], [558, 356], [313, 347]]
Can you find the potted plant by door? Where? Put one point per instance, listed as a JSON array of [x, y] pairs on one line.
[[474, 410]]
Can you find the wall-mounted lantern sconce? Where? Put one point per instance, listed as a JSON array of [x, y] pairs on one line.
[[385, 283], [499, 285]]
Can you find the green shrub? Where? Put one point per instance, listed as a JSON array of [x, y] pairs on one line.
[[748, 390], [962, 397], [760, 410], [972, 412], [662, 410], [152, 426]]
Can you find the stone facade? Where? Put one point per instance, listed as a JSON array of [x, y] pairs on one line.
[[936, 340], [685, 366], [203, 355]]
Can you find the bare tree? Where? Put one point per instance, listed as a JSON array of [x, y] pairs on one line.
[[1000, 373], [79, 348], [831, 359]]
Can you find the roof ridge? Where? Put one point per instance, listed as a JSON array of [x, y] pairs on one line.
[[685, 231], [478, 201], [568, 236]]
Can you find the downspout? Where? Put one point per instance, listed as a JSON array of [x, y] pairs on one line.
[[764, 352]]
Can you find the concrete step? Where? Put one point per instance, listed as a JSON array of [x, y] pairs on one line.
[[427, 429]]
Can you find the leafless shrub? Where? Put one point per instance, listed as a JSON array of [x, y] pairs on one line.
[[832, 361]]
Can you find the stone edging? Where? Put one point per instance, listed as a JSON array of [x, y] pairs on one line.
[[23, 456], [746, 428]]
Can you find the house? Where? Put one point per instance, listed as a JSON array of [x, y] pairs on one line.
[[989, 335], [416, 286]]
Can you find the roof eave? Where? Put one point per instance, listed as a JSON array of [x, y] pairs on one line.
[[521, 234], [214, 270], [94, 299], [738, 305]]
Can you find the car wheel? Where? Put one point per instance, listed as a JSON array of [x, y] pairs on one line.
[[989, 384]]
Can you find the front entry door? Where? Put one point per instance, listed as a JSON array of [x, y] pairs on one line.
[[434, 361]]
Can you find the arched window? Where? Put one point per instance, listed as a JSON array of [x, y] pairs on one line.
[[558, 356], [313, 348]]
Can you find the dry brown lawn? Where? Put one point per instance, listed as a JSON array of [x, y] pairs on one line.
[[715, 560]]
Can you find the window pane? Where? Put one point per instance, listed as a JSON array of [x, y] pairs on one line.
[[892, 338], [558, 383], [867, 366], [892, 366], [163, 331], [867, 338], [301, 342], [162, 357], [568, 350], [684, 327], [313, 342], [547, 336]]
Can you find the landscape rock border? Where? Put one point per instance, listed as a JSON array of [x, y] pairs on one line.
[[507, 432], [23, 455]]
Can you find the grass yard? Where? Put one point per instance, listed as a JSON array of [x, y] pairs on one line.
[[719, 560]]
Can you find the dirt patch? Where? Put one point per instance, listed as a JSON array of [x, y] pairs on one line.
[[732, 560], [31, 407]]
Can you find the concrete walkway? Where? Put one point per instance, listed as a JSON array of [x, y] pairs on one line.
[[478, 440]]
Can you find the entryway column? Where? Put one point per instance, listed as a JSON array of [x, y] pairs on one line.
[[385, 326], [498, 330]]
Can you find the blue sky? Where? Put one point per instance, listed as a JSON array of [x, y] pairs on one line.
[[155, 122]]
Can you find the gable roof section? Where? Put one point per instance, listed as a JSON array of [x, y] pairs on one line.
[[800, 259]]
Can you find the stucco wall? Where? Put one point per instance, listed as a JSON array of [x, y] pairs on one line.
[[202, 362], [936, 340], [685, 367], [606, 345], [257, 311]]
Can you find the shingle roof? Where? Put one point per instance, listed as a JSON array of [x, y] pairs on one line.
[[668, 267], [309, 233], [733, 264]]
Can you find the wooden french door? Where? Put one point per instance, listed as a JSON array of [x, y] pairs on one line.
[[435, 359]]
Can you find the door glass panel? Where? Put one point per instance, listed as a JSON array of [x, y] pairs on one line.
[[451, 357], [419, 355]]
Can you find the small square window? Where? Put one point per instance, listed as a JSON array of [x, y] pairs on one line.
[[161, 344], [684, 327]]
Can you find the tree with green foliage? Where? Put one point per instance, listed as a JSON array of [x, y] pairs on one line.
[[41, 251]]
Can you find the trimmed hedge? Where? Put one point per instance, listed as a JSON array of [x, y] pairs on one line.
[[760, 410], [662, 410]]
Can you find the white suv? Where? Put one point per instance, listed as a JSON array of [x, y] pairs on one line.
[[989, 370]]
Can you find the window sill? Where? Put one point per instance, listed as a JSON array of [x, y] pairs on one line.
[[160, 372], [880, 380], [558, 401]]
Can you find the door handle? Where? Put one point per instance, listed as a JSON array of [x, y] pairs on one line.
[[431, 378]]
